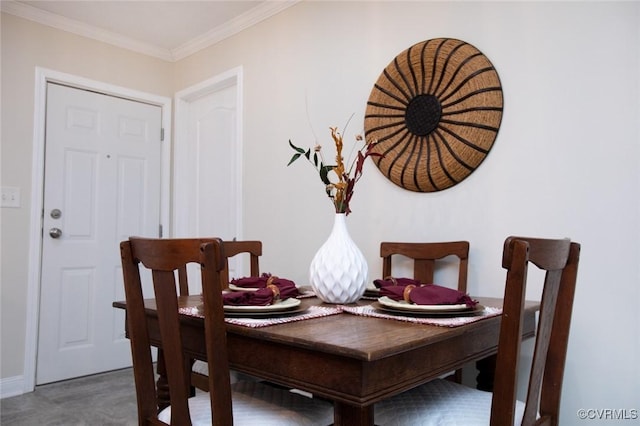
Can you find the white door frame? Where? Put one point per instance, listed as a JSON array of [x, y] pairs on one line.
[[43, 76], [182, 99]]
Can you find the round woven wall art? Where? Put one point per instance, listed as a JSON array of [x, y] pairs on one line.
[[435, 112]]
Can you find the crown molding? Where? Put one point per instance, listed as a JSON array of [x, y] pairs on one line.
[[244, 21], [76, 27], [248, 19]]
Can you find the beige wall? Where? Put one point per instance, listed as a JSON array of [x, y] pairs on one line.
[[25, 46], [566, 161]]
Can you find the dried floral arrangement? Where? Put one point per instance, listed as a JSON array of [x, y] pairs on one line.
[[339, 178]]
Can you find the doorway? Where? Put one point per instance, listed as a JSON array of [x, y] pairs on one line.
[[101, 185], [38, 233], [207, 164]]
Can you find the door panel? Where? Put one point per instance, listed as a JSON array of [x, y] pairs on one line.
[[102, 172], [207, 164], [212, 123]]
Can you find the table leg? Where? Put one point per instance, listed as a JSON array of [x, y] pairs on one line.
[[486, 372], [349, 415]]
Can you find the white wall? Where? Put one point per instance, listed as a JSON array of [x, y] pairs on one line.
[[565, 163]]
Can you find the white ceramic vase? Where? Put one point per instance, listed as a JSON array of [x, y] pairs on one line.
[[338, 271]]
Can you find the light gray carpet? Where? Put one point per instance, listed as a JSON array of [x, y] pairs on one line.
[[99, 400]]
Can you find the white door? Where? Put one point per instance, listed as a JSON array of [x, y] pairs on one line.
[[211, 123], [208, 151], [102, 185]]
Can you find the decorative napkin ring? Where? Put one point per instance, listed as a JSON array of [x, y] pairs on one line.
[[275, 290], [271, 280], [393, 280], [407, 290]]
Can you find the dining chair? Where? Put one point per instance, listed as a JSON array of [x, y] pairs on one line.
[[252, 249], [231, 248], [424, 256], [245, 402], [442, 402]]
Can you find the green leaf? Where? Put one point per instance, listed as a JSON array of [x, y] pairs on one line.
[[300, 150], [324, 173], [294, 158], [308, 153], [315, 159]]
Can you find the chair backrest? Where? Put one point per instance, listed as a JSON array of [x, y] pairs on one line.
[[424, 257], [559, 261], [231, 249], [164, 257], [234, 248]]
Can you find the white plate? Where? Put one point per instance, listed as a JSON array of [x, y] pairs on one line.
[[280, 305], [476, 310], [406, 306], [302, 291]]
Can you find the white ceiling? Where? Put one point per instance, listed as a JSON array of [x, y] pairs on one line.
[[170, 30]]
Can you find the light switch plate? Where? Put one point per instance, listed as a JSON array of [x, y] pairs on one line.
[[10, 197]]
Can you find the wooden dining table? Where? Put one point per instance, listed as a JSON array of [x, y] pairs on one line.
[[354, 361]]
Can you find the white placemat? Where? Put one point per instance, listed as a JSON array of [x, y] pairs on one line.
[[312, 312], [370, 311]]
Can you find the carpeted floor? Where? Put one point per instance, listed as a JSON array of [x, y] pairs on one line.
[[99, 400]]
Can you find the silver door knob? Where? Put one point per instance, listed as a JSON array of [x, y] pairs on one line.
[[55, 233]]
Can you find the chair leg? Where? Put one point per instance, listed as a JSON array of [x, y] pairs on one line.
[[199, 381], [162, 385], [486, 372]]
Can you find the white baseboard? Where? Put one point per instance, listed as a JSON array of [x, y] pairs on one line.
[[11, 386]]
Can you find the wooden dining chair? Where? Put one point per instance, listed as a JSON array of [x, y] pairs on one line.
[[232, 248], [248, 248], [251, 248], [425, 256], [442, 402], [246, 402]]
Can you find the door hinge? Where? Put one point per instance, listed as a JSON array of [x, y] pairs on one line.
[[162, 134], [160, 231]]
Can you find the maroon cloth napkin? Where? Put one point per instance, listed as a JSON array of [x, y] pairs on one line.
[[276, 289], [260, 297], [430, 294], [263, 280]]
